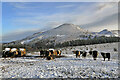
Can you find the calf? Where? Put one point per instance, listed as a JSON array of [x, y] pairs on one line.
[[105, 55]]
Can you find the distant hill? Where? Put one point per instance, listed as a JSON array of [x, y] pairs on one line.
[[62, 33], [105, 32]]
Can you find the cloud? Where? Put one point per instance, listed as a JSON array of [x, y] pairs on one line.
[[24, 5], [20, 5], [94, 13], [109, 22], [94, 17], [105, 16], [65, 6], [19, 34]]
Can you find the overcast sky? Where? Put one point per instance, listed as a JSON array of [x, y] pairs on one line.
[[21, 19]]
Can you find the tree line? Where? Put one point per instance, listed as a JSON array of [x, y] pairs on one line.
[[46, 44]]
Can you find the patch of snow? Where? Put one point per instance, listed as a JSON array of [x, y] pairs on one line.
[[65, 67], [60, 35]]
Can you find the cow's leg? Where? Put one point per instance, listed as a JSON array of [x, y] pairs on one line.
[[76, 56], [43, 55], [108, 56], [3, 54], [94, 58], [104, 58]]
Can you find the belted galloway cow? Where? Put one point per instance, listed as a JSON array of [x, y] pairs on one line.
[[94, 54], [105, 55]]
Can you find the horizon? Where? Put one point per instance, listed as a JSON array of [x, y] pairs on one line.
[[27, 18]]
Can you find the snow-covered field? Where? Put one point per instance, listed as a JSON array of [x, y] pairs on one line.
[[65, 67]]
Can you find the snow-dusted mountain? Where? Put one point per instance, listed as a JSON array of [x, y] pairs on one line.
[[105, 32], [64, 32]]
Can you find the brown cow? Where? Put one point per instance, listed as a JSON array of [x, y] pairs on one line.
[[50, 54], [22, 51], [14, 52]]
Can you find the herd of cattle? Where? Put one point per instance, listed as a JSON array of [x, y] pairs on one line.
[[21, 52], [14, 52], [51, 53], [94, 54]]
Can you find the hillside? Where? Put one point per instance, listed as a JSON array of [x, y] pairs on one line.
[[62, 33]]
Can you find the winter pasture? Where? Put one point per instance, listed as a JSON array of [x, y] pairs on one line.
[[65, 67]]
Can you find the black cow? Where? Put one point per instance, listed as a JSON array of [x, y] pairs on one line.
[[84, 53], [94, 54], [46, 53], [90, 52], [105, 55], [13, 54], [41, 53], [7, 54], [19, 53], [51, 52], [3, 54]]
